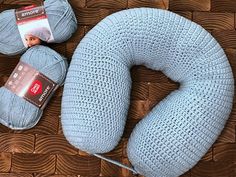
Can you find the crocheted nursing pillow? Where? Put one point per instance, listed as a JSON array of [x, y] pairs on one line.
[[174, 136]]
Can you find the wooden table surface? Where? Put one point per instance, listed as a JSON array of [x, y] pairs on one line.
[[43, 151]]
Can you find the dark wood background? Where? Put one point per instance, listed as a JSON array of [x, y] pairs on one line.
[[43, 151]]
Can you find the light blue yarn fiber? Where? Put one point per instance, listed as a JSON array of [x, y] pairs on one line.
[[61, 18], [174, 136], [17, 113]]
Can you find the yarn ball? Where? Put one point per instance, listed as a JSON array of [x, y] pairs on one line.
[[42, 33], [61, 19], [16, 112], [180, 129]]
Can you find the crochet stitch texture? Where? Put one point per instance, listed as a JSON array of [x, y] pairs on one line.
[[174, 136]]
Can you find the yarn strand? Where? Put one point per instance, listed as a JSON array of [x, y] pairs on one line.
[[116, 163]]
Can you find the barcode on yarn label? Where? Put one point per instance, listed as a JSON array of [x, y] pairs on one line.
[[33, 25], [30, 84]]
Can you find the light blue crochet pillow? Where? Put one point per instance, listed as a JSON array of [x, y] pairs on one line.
[[174, 136]]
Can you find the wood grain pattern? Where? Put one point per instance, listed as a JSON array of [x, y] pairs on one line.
[[10, 62], [125, 172], [48, 124], [53, 144], [187, 174], [186, 14], [163, 4], [228, 134], [158, 91], [78, 3], [125, 143], [190, 5], [9, 6], [73, 42], [231, 54], [223, 5], [60, 131], [33, 163], [60, 48], [227, 39], [109, 169], [138, 109], [70, 49], [208, 156], [58, 94], [225, 152], [54, 105], [46, 175], [16, 143], [3, 80], [139, 90], [213, 169], [22, 2], [214, 21], [108, 4], [88, 28], [143, 74], [232, 117], [79, 165], [82, 153], [117, 152], [130, 124], [16, 175], [91, 16], [4, 129], [5, 162]]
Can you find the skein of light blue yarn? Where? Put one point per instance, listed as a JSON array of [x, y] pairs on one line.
[[61, 18], [17, 113], [181, 128]]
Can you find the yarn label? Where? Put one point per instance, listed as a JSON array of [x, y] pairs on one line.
[[30, 84], [33, 25]]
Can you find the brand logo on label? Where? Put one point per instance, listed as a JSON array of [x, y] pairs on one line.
[[44, 94], [29, 13], [36, 88]]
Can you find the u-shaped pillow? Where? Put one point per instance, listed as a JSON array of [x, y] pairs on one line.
[[174, 136]]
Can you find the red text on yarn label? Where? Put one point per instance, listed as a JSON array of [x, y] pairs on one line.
[[33, 25], [30, 84]]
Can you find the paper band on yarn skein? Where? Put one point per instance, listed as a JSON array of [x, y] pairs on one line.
[[33, 25], [30, 84]]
